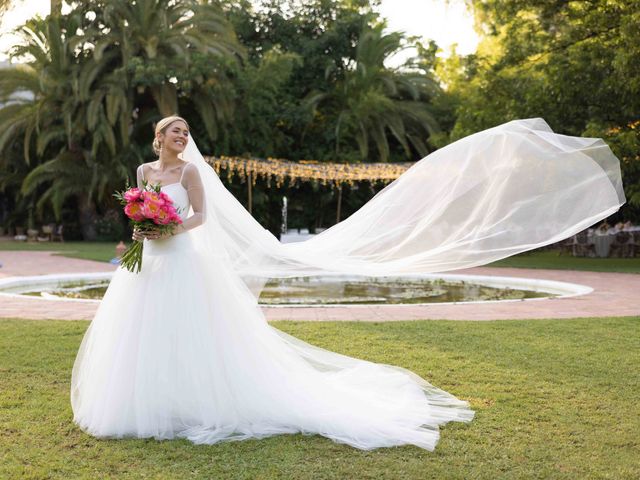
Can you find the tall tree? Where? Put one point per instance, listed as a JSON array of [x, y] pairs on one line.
[[56, 7], [161, 48], [371, 100], [576, 64], [44, 113], [98, 77]]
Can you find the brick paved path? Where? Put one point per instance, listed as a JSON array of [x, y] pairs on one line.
[[615, 294]]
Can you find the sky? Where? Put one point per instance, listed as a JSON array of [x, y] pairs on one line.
[[444, 21]]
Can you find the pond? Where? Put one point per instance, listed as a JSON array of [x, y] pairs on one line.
[[332, 290]]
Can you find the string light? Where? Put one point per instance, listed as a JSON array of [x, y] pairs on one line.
[[278, 170]]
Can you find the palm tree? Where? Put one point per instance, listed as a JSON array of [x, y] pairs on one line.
[[90, 73], [152, 37], [370, 100], [43, 113], [56, 7]]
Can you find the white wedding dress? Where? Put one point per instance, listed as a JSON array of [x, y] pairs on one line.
[[182, 349], [177, 351]]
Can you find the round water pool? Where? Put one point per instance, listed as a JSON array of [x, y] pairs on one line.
[[327, 290]]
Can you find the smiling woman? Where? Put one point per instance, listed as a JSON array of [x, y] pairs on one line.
[[181, 349], [171, 138]]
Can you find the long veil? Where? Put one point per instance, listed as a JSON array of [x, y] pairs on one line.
[[502, 191]]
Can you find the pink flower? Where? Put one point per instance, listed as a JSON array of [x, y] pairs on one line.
[[132, 195], [151, 210], [155, 197], [134, 211], [164, 217], [166, 198]]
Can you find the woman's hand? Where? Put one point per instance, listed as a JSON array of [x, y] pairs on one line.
[[156, 235], [138, 234], [150, 234]]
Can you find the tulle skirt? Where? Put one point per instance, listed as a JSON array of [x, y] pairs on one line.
[[182, 349]]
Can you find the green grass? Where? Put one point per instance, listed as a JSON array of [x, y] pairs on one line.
[[105, 251], [551, 259], [99, 251], [554, 399]]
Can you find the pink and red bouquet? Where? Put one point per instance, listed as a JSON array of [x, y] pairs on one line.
[[148, 208]]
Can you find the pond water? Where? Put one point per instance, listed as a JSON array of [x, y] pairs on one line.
[[337, 290]]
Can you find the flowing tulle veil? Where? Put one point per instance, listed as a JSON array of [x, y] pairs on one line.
[[502, 191]]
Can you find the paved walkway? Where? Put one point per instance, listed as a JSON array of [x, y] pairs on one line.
[[615, 294]]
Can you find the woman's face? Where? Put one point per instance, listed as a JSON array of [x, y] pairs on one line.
[[175, 137]]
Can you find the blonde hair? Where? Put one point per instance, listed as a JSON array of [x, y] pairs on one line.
[[161, 126]]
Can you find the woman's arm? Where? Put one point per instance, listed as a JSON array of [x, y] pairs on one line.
[[195, 191], [139, 235], [139, 176]]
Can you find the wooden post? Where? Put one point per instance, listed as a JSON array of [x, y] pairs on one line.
[[339, 203], [249, 182]]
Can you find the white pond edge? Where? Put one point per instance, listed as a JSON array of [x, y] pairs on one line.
[[552, 287]]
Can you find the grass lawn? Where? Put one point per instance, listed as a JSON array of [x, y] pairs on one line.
[[105, 251], [551, 259], [99, 251], [554, 399]]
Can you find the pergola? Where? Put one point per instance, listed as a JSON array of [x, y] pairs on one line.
[[278, 170]]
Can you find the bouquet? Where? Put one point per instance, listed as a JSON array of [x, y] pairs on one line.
[[147, 208]]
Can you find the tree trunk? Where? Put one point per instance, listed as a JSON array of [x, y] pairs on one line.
[[87, 216], [56, 7]]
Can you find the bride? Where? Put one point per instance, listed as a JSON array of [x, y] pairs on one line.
[[182, 349]]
